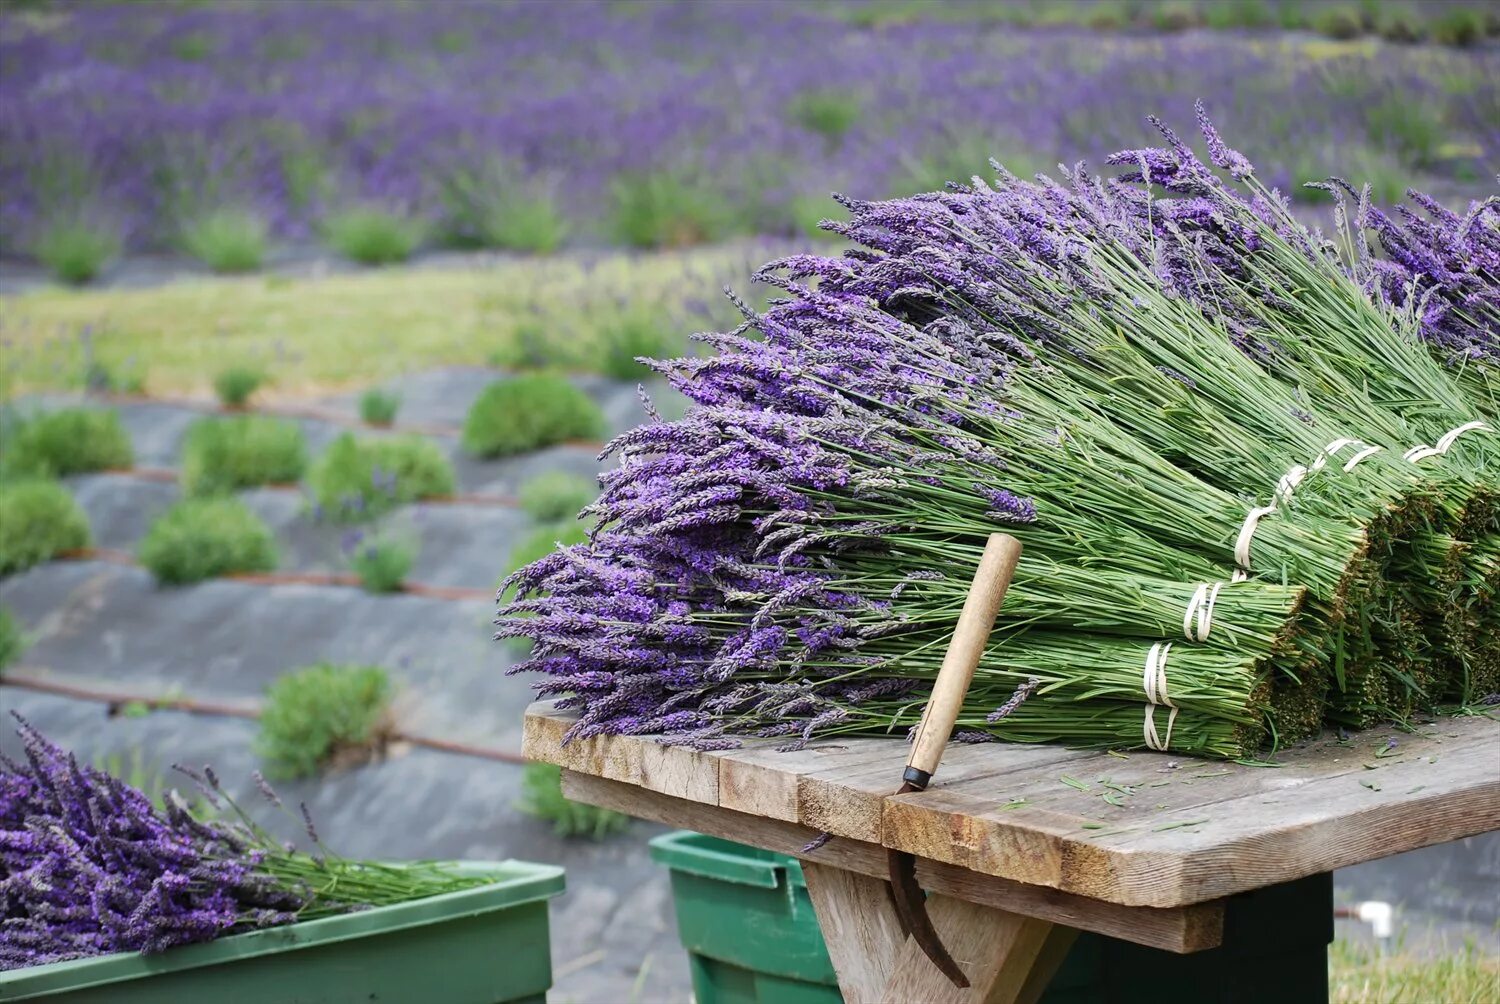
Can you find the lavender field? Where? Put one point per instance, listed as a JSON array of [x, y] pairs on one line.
[[531, 125]]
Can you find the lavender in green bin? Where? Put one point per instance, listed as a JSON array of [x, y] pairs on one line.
[[90, 866]]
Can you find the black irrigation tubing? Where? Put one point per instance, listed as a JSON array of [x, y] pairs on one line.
[[312, 412], [340, 579], [329, 415], [118, 700], [168, 475]]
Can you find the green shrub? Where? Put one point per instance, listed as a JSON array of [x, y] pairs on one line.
[[1401, 24], [1459, 26], [236, 384], [806, 212], [76, 251], [243, 451], [381, 561], [200, 538], [556, 495], [12, 639], [628, 333], [542, 797], [227, 240], [491, 207], [1407, 126], [1338, 22], [543, 541], [373, 236], [960, 159], [38, 520], [59, 443], [830, 114], [527, 413], [322, 714], [1238, 14], [1174, 17], [378, 407], [359, 479], [664, 209]]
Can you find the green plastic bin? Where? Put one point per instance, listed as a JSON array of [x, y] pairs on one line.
[[746, 920], [748, 925], [478, 946]]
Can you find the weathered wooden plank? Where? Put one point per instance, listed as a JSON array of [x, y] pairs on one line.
[[1187, 929], [859, 926], [1182, 834], [767, 782], [996, 950]]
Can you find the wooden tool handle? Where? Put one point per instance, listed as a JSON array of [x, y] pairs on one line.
[[991, 579]]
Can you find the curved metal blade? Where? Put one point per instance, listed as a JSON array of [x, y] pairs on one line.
[[911, 911]]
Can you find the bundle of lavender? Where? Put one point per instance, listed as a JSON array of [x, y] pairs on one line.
[[1225, 517], [89, 866]]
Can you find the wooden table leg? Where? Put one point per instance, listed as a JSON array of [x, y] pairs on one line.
[[1006, 956]]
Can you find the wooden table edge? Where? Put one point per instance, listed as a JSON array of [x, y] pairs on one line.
[[1180, 930]]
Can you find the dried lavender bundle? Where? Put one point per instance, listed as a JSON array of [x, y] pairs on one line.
[[1084, 365], [89, 866]]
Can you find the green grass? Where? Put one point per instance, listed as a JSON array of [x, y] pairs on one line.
[[424, 317], [1338, 22], [315, 716], [76, 251], [227, 240], [378, 407], [529, 412], [373, 236], [59, 443], [360, 479], [542, 797], [12, 639], [204, 537], [243, 451], [380, 560], [1357, 975], [557, 495], [38, 520], [235, 385]]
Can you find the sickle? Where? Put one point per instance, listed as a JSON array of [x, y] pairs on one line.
[[996, 567]]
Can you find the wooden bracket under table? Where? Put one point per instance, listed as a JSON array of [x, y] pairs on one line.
[[1208, 877]]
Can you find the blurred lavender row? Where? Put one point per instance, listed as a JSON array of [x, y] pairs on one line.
[[654, 123]]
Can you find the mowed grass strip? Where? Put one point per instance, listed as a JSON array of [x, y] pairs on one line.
[[314, 334]]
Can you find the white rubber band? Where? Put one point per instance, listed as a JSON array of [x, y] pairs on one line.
[[1444, 443], [1331, 449], [1368, 451], [1452, 435], [1289, 482], [1154, 681], [1247, 531], [1201, 607]]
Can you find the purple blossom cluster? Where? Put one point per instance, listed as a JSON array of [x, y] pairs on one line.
[[89, 866], [908, 391], [141, 117]]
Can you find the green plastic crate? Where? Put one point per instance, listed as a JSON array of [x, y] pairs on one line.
[[746, 920], [478, 946], [748, 925]]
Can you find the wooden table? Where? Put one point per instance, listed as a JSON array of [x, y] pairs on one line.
[[1208, 881]]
